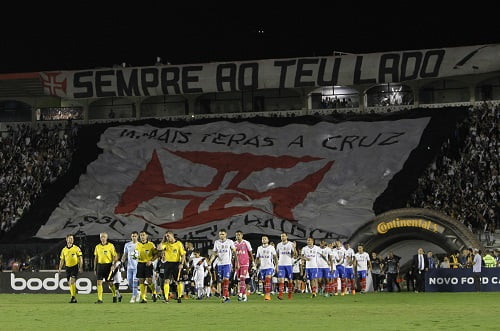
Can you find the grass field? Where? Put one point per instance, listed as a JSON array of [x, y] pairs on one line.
[[372, 311]]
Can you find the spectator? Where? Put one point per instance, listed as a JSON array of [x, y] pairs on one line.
[[30, 158], [463, 181], [445, 264]]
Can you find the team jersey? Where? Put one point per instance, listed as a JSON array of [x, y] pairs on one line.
[[323, 257], [311, 254], [265, 256], [349, 258], [131, 253], [105, 253], [362, 260], [285, 253], [70, 255], [173, 251], [297, 263], [243, 252], [199, 265], [333, 257], [224, 250], [340, 255], [146, 251]]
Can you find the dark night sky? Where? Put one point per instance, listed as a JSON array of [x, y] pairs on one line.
[[89, 36]]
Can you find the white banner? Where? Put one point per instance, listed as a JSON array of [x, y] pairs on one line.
[[347, 70], [318, 180]]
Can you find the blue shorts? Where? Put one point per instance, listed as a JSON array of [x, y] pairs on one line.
[[324, 273], [361, 274], [311, 273], [263, 273], [349, 273], [224, 271], [285, 271], [340, 270]]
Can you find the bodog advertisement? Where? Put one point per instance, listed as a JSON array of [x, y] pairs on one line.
[[48, 282]]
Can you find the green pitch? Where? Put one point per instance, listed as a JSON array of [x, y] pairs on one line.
[[373, 311]]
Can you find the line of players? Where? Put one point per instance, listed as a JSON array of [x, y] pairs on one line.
[[325, 265]]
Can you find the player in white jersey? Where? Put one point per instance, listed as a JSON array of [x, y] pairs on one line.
[[224, 251], [310, 253], [267, 264], [129, 258], [324, 265], [339, 253], [363, 266], [333, 275], [286, 253], [349, 269]]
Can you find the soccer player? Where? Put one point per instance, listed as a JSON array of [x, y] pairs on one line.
[[339, 254], [147, 253], [224, 251], [71, 258], [286, 253], [244, 256], [267, 264], [349, 269], [363, 266], [175, 256], [104, 256], [324, 267], [129, 258], [310, 254]]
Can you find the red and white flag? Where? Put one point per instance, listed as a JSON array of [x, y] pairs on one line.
[[319, 180]]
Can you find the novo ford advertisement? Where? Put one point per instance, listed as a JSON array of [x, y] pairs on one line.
[[461, 280]]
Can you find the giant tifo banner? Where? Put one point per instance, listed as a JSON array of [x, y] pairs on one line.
[[348, 70], [318, 180]]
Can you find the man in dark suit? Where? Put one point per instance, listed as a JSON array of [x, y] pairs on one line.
[[420, 265]]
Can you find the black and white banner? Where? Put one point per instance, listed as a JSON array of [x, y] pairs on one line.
[[319, 180], [347, 70]]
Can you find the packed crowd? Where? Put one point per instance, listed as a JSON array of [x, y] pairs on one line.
[[463, 181], [336, 102], [30, 158]]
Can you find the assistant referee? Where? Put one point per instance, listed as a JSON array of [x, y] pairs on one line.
[[174, 253]]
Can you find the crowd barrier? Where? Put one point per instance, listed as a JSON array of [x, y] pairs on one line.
[[436, 280], [461, 280]]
